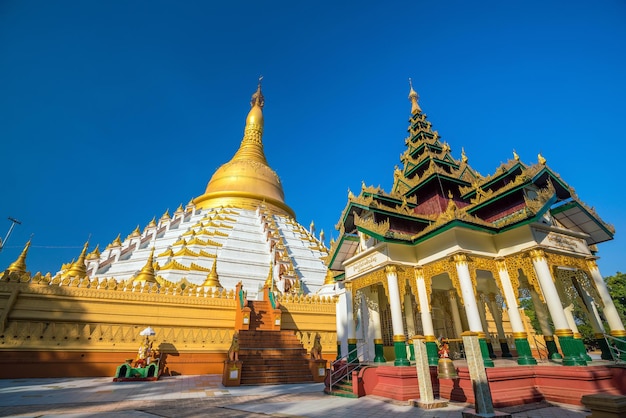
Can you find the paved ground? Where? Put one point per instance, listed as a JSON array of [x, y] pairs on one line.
[[204, 396]]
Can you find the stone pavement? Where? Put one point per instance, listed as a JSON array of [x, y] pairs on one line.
[[204, 396]]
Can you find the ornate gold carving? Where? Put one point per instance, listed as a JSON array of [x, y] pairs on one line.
[[522, 262]]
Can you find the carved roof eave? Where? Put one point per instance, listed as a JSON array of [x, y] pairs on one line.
[[556, 178], [505, 170], [414, 185]]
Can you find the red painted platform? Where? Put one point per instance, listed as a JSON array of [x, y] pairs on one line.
[[510, 384]]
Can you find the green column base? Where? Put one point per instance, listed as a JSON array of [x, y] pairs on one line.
[[484, 350], [524, 353], [553, 352], [379, 352], [433, 353], [582, 351], [571, 351], [604, 347], [399, 348], [353, 356]]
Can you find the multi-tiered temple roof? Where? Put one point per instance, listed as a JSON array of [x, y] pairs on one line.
[[433, 192]]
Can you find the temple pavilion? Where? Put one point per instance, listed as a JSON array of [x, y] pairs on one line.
[[448, 250]]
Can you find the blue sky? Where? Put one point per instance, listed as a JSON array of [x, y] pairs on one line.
[[113, 111]]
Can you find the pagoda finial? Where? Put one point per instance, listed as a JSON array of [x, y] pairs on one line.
[[147, 271], [413, 97], [515, 156], [212, 280], [541, 159], [329, 279], [78, 267], [19, 265], [463, 156]]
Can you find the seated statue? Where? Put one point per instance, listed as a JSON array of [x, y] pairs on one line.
[[233, 351], [316, 350], [144, 353]]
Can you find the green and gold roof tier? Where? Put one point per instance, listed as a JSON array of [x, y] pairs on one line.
[[433, 192], [239, 230]]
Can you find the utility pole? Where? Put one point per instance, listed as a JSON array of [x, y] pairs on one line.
[[6, 238]]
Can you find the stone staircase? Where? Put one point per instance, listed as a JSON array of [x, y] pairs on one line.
[[269, 355]]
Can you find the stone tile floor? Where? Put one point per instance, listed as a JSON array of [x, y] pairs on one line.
[[204, 396]]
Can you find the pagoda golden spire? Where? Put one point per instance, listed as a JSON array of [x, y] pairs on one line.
[[147, 271], [247, 181], [78, 267], [212, 279], [19, 265], [413, 97], [329, 279]]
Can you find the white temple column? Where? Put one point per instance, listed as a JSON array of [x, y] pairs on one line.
[[424, 305], [427, 319], [456, 316], [471, 307], [550, 294], [399, 339], [511, 299], [569, 315], [570, 348], [524, 353], [467, 290], [408, 315], [610, 312]]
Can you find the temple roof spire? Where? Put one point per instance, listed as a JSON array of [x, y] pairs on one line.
[[413, 97]]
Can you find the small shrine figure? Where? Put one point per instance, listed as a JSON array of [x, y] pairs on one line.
[[233, 351], [444, 349], [316, 350], [144, 353]]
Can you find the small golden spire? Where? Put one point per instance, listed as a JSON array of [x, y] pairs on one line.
[[136, 232], [541, 160], [152, 223], [212, 280], [117, 242], [329, 279], [413, 97], [322, 236], [78, 267], [166, 215], [179, 209], [19, 265], [515, 156], [147, 272], [312, 228], [463, 156], [95, 254]]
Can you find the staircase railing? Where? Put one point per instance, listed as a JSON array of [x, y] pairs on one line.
[[343, 366], [618, 354], [541, 349]]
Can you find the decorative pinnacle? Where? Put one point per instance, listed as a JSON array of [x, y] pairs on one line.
[[413, 97], [257, 97]]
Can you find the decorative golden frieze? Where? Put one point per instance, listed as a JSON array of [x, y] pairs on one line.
[[379, 228]]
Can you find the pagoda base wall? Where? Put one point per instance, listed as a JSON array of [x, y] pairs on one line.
[[74, 330], [509, 386]]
